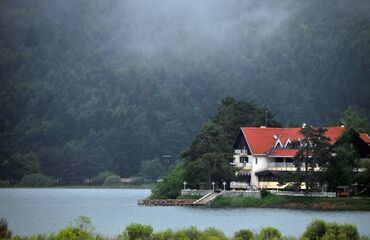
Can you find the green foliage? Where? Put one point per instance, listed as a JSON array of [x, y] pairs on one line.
[[353, 120], [5, 233], [137, 231], [208, 157], [214, 234], [171, 185], [244, 234], [151, 170], [36, 180], [163, 235], [18, 165], [113, 180], [269, 233], [364, 177], [71, 233], [320, 230], [100, 94], [264, 193], [315, 230], [101, 177], [80, 229], [312, 151], [190, 233], [339, 171], [276, 201]]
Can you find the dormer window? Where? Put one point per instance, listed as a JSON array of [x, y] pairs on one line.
[[278, 144], [288, 143]]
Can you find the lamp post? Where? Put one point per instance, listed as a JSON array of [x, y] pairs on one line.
[[184, 185], [224, 183], [213, 186]]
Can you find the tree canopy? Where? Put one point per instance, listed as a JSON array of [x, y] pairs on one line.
[[90, 86]]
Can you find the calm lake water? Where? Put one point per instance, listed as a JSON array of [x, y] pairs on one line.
[[31, 211]]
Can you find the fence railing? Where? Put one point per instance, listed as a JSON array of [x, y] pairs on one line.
[[241, 151], [289, 166], [281, 165], [304, 194]]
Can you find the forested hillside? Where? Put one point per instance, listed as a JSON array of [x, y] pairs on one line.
[[88, 86]]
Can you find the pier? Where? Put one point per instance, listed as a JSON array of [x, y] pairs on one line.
[[203, 201]]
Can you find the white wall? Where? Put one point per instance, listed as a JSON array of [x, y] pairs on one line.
[[261, 165]]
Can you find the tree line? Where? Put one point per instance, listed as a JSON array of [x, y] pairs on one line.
[[93, 86]]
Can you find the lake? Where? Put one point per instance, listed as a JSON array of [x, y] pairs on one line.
[[31, 211]]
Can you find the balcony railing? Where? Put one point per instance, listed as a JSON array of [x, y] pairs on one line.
[[287, 166], [241, 152], [244, 165], [281, 165]]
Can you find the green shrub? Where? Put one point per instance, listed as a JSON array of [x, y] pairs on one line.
[[80, 229], [264, 193], [244, 234], [72, 233], [315, 230], [101, 177], [35, 237], [136, 231], [340, 232], [269, 233], [4, 183], [190, 233], [113, 180], [163, 235], [349, 231], [5, 233], [213, 233], [319, 229], [36, 180]]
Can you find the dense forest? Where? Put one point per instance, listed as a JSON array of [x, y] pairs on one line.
[[89, 86]]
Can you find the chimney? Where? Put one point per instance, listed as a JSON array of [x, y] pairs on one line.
[[303, 125]]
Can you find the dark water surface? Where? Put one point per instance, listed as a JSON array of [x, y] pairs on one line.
[[31, 211]]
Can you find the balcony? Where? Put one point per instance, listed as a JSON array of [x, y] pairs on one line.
[[281, 166], [244, 165], [241, 152]]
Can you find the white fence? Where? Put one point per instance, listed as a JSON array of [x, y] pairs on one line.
[[239, 185], [304, 194]]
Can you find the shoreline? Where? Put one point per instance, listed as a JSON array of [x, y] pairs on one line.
[[289, 202], [141, 186]]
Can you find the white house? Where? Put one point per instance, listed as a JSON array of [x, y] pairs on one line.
[[262, 154]]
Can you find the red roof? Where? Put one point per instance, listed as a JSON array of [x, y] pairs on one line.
[[365, 137], [262, 140], [283, 152]]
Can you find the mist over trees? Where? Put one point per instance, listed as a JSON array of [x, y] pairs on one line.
[[91, 86]]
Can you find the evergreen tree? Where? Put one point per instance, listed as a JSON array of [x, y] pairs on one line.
[[313, 152]]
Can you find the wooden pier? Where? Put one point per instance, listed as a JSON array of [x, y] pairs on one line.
[[165, 202], [203, 201]]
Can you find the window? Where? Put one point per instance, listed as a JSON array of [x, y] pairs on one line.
[[279, 160], [289, 160], [243, 159], [256, 160]]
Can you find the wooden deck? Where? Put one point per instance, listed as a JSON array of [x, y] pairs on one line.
[[203, 201], [166, 202]]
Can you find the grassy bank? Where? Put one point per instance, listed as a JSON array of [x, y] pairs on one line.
[[274, 201]]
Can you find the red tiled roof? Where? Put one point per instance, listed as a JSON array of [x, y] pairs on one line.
[[283, 152], [262, 140], [365, 137], [334, 133]]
